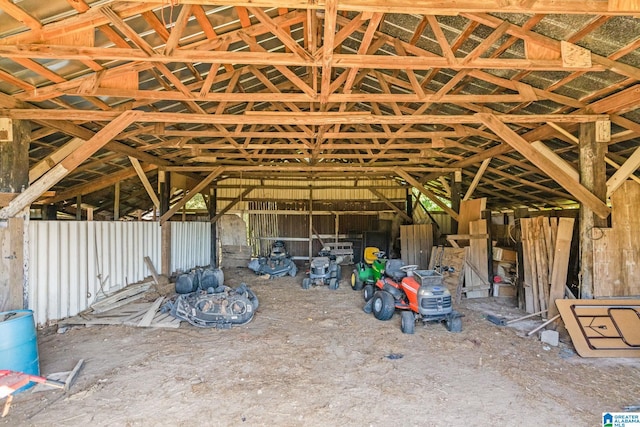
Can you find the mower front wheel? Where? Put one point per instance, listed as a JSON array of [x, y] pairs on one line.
[[368, 291], [383, 305], [333, 284], [408, 322], [356, 283], [306, 283]]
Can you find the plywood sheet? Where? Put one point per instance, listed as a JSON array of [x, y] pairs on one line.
[[616, 250], [470, 210], [478, 257]]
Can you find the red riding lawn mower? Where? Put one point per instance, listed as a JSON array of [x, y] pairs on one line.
[[418, 294]]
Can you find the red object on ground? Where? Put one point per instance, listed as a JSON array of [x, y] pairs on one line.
[[10, 381]]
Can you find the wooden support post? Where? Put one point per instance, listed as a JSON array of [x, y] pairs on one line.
[[456, 186], [213, 206], [116, 202], [79, 208], [592, 177], [409, 202], [50, 212], [310, 224], [14, 178], [165, 248], [164, 191]]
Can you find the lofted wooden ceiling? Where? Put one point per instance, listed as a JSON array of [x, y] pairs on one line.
[[406, 90]]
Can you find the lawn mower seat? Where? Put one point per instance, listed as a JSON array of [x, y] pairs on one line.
[[392, 269], [370, 254]]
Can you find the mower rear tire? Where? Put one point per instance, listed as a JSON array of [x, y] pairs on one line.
[[407, 322], [454, 324], [383, 305], [356, 283], [306, 283], [333, 284], [367, 292]]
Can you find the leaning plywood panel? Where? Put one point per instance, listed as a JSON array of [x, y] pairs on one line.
[[616, 250]]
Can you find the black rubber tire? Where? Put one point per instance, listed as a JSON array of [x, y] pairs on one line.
[[306, 283], [383, 305], [333, 284], [454, 324], [356, 283], [339, 273], [407, 322], [368, 292]]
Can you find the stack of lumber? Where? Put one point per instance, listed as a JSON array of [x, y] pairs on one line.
[[128, 306], [546, 244]]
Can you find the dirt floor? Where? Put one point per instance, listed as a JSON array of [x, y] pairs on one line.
[[314, 358]]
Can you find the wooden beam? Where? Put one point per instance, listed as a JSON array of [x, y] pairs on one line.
[[231, 204], [438, 7], [72, 161], [93, 186], [626, 170], [388, 202], [331, 10], [431, 196], [195, 190], [476, 179], [553, 171], [54, 158], [145, 181], [556, 159], [293, 118]]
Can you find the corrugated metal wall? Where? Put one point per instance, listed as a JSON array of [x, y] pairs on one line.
[[71, 263], [190, 245]]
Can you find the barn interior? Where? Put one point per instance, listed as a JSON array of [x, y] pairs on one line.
[[496, 142]]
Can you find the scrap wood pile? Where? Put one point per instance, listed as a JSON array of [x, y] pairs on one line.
[[136, 305], [546, 245]]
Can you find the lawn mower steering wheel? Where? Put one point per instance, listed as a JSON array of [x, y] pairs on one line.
[[409, 269], [379, 254]]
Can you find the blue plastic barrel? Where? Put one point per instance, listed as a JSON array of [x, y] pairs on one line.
[[18, 343]]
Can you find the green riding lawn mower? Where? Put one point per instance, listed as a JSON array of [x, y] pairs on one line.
[[369, 271]]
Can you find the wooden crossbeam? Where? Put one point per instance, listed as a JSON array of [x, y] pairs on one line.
[[431, 196], [552, 170], [195, 190], [72, 161]]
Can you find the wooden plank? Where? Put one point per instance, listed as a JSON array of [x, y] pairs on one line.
[[151, 313], [625, 171], [476, 179], [145, 181], [560, 263], [530, 270]]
